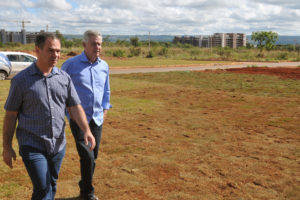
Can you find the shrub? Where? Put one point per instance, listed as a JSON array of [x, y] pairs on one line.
[[187, 46], [119, 53], [67, 43], [225, 52], [134, 41], [282, 56], [228, 53], [135, 52], [221, 51], [108, 52], [164, 51], [150, 54], [13, 44]]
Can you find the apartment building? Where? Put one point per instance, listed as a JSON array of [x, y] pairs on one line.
[[232, 40], [20, 37]]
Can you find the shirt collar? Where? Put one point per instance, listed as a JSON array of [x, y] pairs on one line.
[[33, 69], [83, 58]]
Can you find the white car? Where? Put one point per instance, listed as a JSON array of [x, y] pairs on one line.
[[19, 60], [5, 67]]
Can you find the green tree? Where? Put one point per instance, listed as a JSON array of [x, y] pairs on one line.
[[77, 42], [106, 38], [265, 39], [60, 36], [134, 41]]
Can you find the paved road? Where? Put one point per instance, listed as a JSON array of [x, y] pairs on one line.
[[201, 67]]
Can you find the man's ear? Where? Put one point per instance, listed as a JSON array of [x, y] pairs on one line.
[[37, 50], [83, 44]]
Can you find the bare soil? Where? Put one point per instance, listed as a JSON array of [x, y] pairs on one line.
[[246, 147], [200, 145], [284, 72], [191, 145]]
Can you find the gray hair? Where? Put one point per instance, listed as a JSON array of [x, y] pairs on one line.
[[89, 33]]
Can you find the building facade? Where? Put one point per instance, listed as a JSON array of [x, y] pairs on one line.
[[232, 40], [19, 37]]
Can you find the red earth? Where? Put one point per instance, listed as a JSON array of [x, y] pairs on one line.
[[283, 72]]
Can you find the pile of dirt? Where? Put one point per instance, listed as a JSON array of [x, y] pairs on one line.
[[71, 53], [283, 72]]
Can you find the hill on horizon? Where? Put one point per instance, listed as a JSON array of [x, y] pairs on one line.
[[282, 39]]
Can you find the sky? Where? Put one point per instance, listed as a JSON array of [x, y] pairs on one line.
[[157, 17]]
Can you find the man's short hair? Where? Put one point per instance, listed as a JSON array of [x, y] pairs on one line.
[[42, 37], [90, 33]]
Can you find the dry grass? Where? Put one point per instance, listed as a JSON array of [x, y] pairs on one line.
[[188, 135]]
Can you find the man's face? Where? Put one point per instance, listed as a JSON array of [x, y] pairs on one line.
[[49, 55], [93, 47]]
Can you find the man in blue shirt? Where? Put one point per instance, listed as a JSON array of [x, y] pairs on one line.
[[90, 75], [38, 98]]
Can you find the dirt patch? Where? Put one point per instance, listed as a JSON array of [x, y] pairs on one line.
[[283, 72], [168, 140], [71, 53]]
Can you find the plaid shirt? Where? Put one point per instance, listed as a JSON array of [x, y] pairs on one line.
[[41, 102]]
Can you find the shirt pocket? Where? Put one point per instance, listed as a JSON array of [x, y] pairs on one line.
[[59, 90], [100, 77]]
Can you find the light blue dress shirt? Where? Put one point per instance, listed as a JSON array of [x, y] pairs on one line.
[[91, 81]]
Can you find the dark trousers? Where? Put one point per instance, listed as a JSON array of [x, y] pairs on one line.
[[87, 157], [43, 170]]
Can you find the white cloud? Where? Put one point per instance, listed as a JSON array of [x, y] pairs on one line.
[[53, 4], [157, 16], [293, 4], [9, 4], [15, 4]]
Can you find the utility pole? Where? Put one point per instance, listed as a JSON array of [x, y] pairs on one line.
[[210, 37], [149, 42]]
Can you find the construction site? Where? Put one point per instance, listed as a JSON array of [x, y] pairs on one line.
[[232, 40], [22, 36], [18, 37]]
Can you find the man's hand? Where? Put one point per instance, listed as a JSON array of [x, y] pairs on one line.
[[104, 114], [8, 155], [88, 137], [78, 115], [9, 126]]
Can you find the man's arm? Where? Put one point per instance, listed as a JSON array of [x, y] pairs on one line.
[[9, 126], [78, 115], [106, 98], [104, 114]]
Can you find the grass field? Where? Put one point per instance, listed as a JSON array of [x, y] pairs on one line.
[[187, 136], [171, 52]]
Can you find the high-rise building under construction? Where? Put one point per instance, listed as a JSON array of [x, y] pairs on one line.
[[232, 40]]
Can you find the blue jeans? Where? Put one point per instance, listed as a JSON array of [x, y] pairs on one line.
[[43, 170], [87, 157]]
